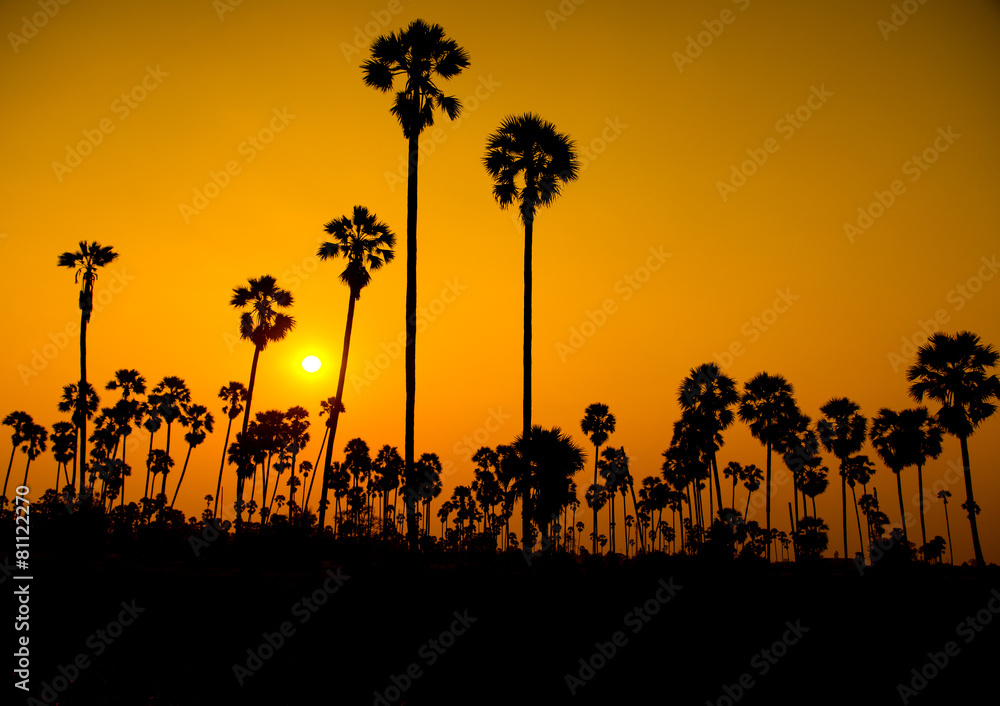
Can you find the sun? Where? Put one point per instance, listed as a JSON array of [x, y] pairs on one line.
[[311, 363]]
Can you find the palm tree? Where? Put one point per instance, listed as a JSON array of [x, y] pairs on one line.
[[419, 54], [21, 422], [127, 411], [151, 410], [529, 162], [35, 436], [842, 431], [297, 422], [428, 473], [366, 244], [85, 261], [63, 442], [233, 395], [260, 325], [201, 423], [708, 394], [944, 495], [80, 407], [752, 477], [598, 423], [858, 469], [923, 439], [954, 370], [768, 407], [172, 395]]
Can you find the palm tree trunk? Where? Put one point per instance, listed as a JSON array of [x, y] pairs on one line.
[[902, 511], [843, 506], [526, 430], [857, 515], [718, 487], [335, 412], [222, 466], [246, 423], [183, 471], [747, 508], [411, 328], [920, 486], [976, 546], [947, 524], [597, 452], [611, 520], [316, 468], [767, 494], [26, 467], [163, 484], [145, 488], [81, 396], [638, 522], [10, 464]]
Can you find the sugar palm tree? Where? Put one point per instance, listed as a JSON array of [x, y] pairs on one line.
[[152, 423], [768, 407], [366, 244], [201, 422], [955, 371], [63, 443], [260, 324], [842, 431], [598, 423], [79, 407], [858, 469], [708, 394], [127, 411], [172, 395], [297, 420], [922, 437], [34, 444], [21, 423], [85, 261], [233, 395], [557, 459], [418, 55], [529, 161], [944, 495]]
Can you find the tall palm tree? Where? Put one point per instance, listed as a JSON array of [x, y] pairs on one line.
[[944, 495], [128, 411], [63, 442], [85, 261], [767, 405], [21, 422], [152, 423], [297, 420], [954, 370], [172, 395], [233, 395], [260, 324], [201, 422], [892, 441], [418, 55], [842, 431], [708, 394], [35, 436], [598, 424], [529, 161], [556, 459], [858, 469], [366, 244], [923, 438], [81, 407]]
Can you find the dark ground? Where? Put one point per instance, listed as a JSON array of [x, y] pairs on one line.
[[859, 636]]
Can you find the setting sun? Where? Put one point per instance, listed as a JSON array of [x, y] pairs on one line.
[[311, 364]]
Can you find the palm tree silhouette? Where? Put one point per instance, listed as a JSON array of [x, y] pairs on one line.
[[297, 421], [201, 422], [842, 431], [21, 423], [858, 469], [954, 370], [63, 442], [172, 394], [529, 162], [233, 395], [922, 437], [80, 407], [419, 54], [128, 411], [707, 394], [85, 261], [891, 439], [366, 244], [152, 423], [33, 440], [768, 407], [944, 495], [260, 325], [598, 423]]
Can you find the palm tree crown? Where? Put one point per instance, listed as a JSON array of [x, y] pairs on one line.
[[366, 244], [262, 324]]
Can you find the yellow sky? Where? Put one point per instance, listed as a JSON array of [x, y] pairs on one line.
[[259, 108]]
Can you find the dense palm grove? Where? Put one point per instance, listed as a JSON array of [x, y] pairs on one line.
[[379, 495]]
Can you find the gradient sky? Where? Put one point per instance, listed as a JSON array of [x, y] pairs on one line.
[[837, 103]]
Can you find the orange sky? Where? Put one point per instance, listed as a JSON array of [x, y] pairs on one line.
[[832, 104]]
